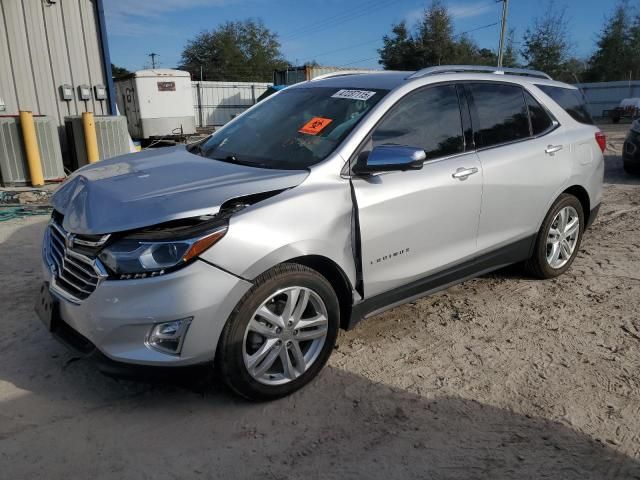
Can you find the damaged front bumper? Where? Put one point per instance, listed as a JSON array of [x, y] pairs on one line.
[[117, 318]]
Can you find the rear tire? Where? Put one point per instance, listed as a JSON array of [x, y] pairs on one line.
[[290, 317], [556, 245]]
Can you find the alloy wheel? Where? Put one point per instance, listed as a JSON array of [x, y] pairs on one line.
[[562, 237], [285, 335]]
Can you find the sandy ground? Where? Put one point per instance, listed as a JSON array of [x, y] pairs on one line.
[[500, 377]]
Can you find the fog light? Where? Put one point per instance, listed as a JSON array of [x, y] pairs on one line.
[[168, 337]]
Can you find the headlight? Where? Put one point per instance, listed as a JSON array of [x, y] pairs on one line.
[[132, 258], [635, 126]]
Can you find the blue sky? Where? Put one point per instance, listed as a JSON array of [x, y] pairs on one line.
[[333, 32]]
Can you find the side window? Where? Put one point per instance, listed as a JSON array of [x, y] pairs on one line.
[[571, 100], [540, 119], [427, 119], [501, 114]]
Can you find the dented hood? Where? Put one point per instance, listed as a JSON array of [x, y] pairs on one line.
[[157, 186]]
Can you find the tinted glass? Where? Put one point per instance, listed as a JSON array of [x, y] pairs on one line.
[[428, 119], [571, 100], [540, 119], [501, 114], [294, 129]]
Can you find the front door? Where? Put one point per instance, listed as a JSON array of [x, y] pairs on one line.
[[418, 222]]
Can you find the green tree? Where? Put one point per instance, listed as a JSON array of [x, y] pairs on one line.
[[238, 51], [399, 51], [432, 43], [574, 70], [546, 45], [615, 56], [634, 47], [510, 57], [435, 36], [118, 72]]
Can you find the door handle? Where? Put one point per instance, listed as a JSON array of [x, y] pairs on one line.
[[551, 149], [462, 173]]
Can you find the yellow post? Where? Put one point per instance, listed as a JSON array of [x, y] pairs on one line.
[[90, 138], [31, 148]]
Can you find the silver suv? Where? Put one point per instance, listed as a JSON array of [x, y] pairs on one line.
[[329, 202]]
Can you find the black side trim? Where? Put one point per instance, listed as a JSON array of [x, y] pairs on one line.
[[507, 255], [356, 240], [593, 215]]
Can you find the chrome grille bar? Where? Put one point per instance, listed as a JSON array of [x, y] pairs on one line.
[[74, 275]]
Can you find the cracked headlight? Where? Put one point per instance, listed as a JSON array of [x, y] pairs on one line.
[[132, 258]]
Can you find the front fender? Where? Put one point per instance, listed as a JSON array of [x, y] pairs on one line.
[[313, 218]]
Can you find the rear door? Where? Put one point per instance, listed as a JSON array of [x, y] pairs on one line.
[[417, 222], [525, 161]]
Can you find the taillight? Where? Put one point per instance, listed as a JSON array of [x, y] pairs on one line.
[[601, 138]]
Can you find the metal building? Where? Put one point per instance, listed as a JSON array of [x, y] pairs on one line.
[[215, 103], [54, 58], [603, 96]]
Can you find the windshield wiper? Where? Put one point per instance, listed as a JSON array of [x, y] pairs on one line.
[[238, 161]]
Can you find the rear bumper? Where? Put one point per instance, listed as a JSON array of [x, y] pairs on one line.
[[117, 317]]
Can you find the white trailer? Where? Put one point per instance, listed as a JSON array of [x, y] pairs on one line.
[[157, 103]]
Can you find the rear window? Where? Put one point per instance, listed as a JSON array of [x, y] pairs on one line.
[[571, 100], [540, 120], [502, 114]]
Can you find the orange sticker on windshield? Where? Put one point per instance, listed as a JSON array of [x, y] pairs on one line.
[[315, 125]]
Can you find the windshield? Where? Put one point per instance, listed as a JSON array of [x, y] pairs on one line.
[[295, 129]]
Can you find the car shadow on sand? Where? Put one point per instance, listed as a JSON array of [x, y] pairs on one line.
[[62, 419]]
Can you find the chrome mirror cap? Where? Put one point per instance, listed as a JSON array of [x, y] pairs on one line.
[[388, 158]]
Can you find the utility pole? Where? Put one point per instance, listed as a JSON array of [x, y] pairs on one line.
[[153, 60], [505, 9]]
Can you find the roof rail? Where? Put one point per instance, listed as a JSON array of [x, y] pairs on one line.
[[478, 69], [339, 73]]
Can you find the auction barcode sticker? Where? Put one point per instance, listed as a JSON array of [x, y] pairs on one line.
[[354, 94]]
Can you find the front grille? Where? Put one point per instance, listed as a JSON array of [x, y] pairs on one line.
[[74, 275]]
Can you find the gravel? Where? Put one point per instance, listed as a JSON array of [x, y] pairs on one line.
[[500, 377]]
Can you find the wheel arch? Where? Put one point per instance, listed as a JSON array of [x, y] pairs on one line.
[[336, 277], [582, 195]]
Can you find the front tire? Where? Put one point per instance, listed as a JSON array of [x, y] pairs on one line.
[[559, 238], [280, 334]]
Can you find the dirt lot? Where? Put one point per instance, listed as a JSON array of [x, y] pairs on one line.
[[500, 377]]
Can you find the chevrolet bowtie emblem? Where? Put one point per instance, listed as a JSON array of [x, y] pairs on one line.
[[68, 240]]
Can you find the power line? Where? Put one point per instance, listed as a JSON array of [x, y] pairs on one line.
[[358, 61], [454, 36], [381, 5], [475, 29], [332, 22], [311, 57]]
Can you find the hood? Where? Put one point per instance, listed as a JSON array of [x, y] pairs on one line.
[[156, 186]]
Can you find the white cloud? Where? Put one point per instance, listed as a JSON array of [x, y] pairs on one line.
[[457, 11], [470, 10], [141, 17]]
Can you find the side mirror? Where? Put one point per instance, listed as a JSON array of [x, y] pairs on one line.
[[389, 158]]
